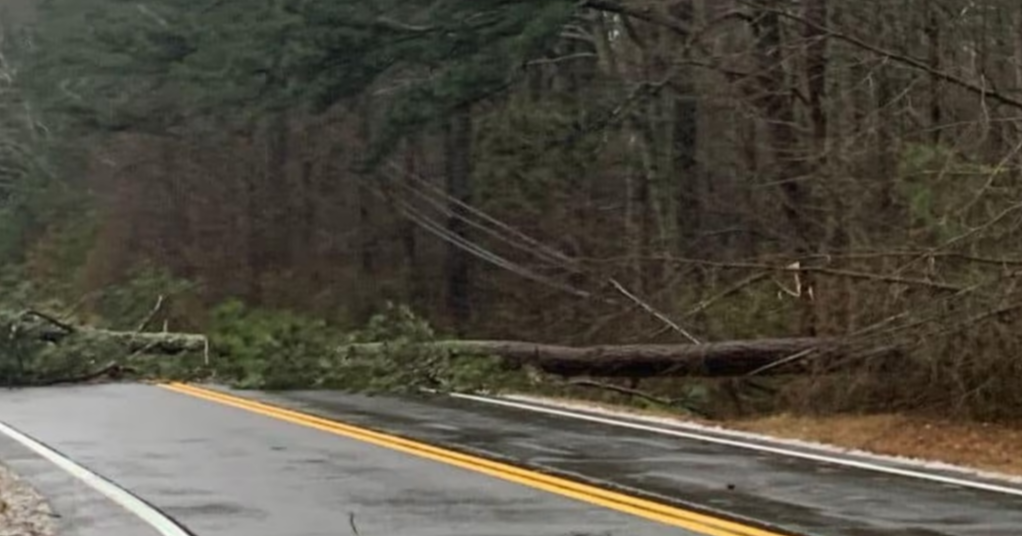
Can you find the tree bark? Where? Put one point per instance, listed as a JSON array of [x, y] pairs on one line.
[[790, 167], [41, 328], [935, 37], [633, 361], [458, 161]]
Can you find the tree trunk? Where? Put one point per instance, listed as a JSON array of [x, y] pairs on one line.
[[790, 167], [367, 243], [634, 361], [934, 37], [408, 228], [36, 326], [458, 163], [683, 136], [274, 217]]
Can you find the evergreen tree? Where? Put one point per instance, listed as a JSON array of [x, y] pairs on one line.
[[117, 64]]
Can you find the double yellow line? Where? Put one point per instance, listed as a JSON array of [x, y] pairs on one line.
[[669, 515]]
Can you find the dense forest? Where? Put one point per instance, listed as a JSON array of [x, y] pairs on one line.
[[571, 172]]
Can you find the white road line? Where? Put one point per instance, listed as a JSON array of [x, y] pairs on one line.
[[151, 516], [834, 460]]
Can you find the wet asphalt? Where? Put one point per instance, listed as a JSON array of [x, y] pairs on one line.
[[223, 471], [796, 495]]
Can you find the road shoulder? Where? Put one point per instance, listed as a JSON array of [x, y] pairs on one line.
[[23, 510], [72, 507], [979, 451]]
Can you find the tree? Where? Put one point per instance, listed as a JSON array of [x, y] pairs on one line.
[[576, 172]]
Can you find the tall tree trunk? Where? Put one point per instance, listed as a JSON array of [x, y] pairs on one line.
[[683, 137], [1016, 18], [301, 244], [266, 205], [790, 167], [885, 168], [277, 191], [367, 244], [816, 72], [252, 226], [408, 227], [934, 37], [836, 304], [179, 238], [458, 164]]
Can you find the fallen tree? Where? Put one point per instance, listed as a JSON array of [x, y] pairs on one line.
[[42, 327], [718, 359], [731, 358], [37, 349]]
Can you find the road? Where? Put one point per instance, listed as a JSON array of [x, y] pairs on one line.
[[323, 463]]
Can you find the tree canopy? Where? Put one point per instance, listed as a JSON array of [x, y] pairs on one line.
[[122, 65], [570, 172]]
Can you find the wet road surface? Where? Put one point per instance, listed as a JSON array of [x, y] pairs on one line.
[[803, 497], [226, 471], [221, 471]]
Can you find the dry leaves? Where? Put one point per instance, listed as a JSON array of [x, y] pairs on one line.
[[23, 512], [983, 446]]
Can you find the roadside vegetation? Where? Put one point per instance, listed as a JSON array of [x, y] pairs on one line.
[[727, 208]]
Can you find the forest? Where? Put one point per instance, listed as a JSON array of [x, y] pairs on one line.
[[826, 192]]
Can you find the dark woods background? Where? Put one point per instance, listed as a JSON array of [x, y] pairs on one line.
[[536, 169]]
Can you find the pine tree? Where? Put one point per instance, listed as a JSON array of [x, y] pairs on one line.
[[118, 65]]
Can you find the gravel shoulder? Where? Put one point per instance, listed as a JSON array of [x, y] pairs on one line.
[[23, 511]]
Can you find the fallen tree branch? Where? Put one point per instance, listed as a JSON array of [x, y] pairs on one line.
[[32, 335], [651, 310], [716, 359], [709, 302], [666, 402], [836, 272], [149, 317], [163, 343], [781, 362], [54, 331], [50, 319], [112, 370]]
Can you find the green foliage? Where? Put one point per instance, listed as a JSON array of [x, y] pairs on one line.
[[26, 359], [30, 193], [269, 349], [525, 166], [15, 289], [114, 65], [282, 350], [124, 305], [411, 358], [16, 355], [940, 187]]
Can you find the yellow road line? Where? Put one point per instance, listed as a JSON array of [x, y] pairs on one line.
[[670, 515]]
